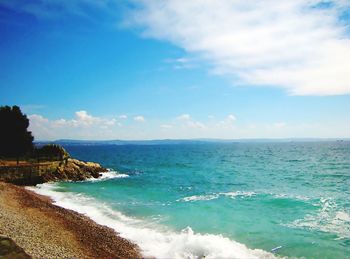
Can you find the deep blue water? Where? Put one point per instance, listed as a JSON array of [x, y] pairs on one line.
[[262, 195]]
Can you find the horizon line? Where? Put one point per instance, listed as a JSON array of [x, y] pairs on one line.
[[197, 139]]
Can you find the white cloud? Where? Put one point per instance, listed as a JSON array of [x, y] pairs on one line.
[[231, 117], [295, 45], [82, 125], [139, 119], [86, 126], [280, 125], [187, 122], [182, 63], [184, 117], [83, 118], [123, 117], [228, 122], [110, 122], [195, 125], [35, 118], [166, 126]]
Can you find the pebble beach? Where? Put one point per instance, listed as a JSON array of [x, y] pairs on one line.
[[44, 230]]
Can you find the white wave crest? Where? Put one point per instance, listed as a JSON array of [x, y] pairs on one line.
[[108, 175], [329, 218], [213, 196], [154, 241], [200, 197], [290, 196], [238, 194]]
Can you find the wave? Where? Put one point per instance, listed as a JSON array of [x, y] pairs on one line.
[[242, 194], [107, 176], [238, 194], [200, 197], [329, 218], [290, 196], [208, 197], [153, 240]]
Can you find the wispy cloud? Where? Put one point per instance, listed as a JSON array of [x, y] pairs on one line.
[[186, 121], [182, 63], [280, 125], [139, 118], [231, 117], [301, 46], [166, 126], [227, 123], [184, 117]]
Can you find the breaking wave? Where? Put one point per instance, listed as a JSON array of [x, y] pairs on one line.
[[154, 241], [329, 218], [107, 176]]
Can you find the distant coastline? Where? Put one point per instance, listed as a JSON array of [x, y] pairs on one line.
[[183, 141]]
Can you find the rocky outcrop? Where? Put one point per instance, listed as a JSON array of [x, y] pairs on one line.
[[36, 173], [74, 170]]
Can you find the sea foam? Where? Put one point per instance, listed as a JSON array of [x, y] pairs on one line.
[[329, 218], [200, 197], [154, 241], [107, 176], [213, 196]]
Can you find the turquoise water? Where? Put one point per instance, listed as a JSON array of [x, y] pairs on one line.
[[262, 195]]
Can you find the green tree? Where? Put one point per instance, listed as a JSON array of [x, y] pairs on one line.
[[15, 139]]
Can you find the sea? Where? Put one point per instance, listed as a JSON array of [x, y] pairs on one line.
[[219, 200]]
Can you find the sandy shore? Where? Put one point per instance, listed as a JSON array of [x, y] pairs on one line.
[[44, 230]]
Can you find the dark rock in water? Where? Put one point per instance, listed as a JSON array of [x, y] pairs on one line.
[[9, 249]]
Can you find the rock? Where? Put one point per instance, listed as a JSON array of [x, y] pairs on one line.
[[75, 170], [9, 249]]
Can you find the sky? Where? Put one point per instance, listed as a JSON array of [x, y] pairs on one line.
[[147, 69]]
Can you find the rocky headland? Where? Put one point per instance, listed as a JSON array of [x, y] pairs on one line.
[[37, 173], [47, 164]]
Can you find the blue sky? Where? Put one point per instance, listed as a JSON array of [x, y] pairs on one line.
[[88, 69]]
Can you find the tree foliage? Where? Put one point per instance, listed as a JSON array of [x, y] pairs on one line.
[[15, 139], [52, 152]]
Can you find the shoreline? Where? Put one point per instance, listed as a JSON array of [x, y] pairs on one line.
[[154, 240], [45, 230]]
